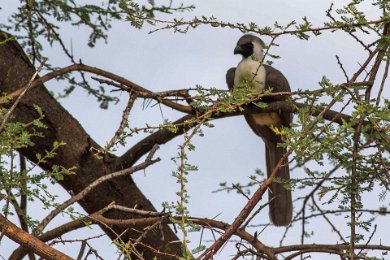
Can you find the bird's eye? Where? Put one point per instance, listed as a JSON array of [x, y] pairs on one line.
[[248, 45]]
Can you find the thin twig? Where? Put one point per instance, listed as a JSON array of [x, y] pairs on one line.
[[22, 93], [342, 68], [123, 123], [385, 73], [328, 220]]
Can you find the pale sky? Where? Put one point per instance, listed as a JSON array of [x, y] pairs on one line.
[[230, 151]]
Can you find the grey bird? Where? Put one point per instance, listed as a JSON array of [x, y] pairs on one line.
[[256, 75]]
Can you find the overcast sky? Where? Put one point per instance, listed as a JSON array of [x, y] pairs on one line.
[[164, 60]]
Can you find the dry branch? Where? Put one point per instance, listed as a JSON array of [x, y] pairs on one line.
[[28, 241]]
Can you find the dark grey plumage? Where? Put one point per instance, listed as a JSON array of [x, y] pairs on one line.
[[280, 198]]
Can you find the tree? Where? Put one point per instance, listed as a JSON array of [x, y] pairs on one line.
[[338, 138]]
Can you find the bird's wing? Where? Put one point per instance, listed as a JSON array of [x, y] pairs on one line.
[[278, 82], [230, 78], [280, 198]]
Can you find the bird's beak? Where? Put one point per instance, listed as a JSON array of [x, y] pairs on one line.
[[238, 49]]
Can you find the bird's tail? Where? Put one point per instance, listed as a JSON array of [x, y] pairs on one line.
[[279, 197]]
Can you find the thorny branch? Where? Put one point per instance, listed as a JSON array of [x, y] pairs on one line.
[[125, 115], [148, 161], [142, 92], [244, 28]]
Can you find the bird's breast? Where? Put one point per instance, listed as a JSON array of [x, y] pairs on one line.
[[254, 74], [251, 72]]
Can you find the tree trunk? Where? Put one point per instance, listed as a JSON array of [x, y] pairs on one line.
[[15, 72]]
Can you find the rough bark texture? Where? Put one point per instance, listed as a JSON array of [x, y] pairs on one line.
[[34, 244], [15, 72]]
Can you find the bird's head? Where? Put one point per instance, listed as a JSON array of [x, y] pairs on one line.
[[249, 45]]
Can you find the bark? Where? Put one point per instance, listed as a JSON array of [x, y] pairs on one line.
[[32, 243], [15, 72]]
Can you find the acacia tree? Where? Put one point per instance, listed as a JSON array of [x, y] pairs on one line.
[[343, 125]]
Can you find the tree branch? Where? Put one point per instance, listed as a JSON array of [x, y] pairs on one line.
[[28, 241]]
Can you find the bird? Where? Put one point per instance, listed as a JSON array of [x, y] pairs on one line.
[[258, 76]]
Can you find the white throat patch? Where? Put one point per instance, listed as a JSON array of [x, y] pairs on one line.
[[252, 72]]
